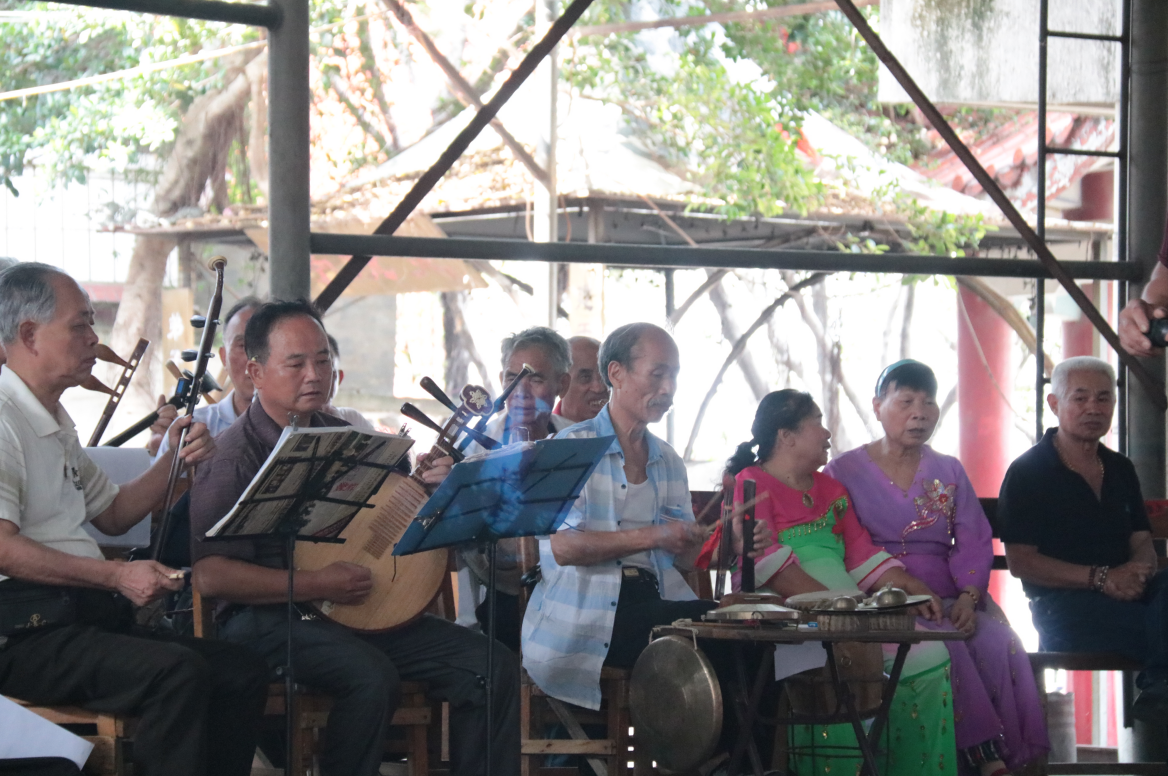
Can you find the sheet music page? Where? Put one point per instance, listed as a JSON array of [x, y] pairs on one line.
[[301, 459], [24, 734]]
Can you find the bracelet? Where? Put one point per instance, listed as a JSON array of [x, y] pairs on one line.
[[1097, 578], [973, 593]]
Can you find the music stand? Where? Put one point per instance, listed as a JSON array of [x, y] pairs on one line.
[[524, 489], [312, 485]]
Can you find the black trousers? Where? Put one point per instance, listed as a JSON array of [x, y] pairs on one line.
[[640, 608], [1088, 621], [199, 702], [363, 674]]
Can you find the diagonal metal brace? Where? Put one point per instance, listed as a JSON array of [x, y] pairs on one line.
[[462, 88], [431, 177], [1153, 387]]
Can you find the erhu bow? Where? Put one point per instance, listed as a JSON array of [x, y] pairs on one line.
[[210, 325], [105, 353]]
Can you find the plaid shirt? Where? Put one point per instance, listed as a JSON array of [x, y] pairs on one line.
[[568, 623]]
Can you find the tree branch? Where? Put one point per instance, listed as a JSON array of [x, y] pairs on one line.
[[359, 113], [740, 347], [1001, 305], [462, 89]]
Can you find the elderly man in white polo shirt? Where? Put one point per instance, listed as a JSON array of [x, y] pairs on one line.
[[66, 617]]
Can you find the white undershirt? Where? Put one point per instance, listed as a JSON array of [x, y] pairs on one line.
[[635, 511]]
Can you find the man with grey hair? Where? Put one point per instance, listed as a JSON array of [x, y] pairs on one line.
[[612, 572], [587, 394], [5, 263], [528, 417], [1076, 533], [199, 702]]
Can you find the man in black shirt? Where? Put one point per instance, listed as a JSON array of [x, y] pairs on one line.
[[1072, 517]]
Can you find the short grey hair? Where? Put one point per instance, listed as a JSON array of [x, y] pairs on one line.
[[1062, 372], [553, 344], [26, 294], [618, 346]]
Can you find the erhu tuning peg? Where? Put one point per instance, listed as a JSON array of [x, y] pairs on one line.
[[198, 321], [193, 355]]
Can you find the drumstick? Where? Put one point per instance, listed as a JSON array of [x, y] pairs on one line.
[[747, 577]]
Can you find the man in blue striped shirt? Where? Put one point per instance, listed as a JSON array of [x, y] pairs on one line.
[[611, 573]]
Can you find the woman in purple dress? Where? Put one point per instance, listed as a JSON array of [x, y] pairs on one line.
[[921, 507]]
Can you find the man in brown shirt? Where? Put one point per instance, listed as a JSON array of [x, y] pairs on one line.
[[291, 367]]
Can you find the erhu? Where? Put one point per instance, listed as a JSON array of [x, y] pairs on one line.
[[209, 324]]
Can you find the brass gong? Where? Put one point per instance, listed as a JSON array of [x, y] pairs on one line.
[[675, 704]]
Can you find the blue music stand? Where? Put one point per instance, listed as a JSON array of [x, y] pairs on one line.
[[525, 489]]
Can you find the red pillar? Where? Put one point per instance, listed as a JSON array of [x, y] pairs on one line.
[[986, 419], [985, 416], [1079, 336]]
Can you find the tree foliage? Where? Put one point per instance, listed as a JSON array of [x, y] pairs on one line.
[[118, 121], [724, 104]]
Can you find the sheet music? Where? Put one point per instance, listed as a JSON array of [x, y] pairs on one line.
[[24, 734], [299, 460]]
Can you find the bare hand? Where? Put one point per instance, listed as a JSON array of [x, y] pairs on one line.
[[677, 537], [342, 583], [438, 471], [763, 537], [166, 415], [1127, 582], [143, 581], [963, 615], [1134, 321], [898, 577], [199, 446]]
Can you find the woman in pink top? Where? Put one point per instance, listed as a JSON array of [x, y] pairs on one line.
[[820, 545]]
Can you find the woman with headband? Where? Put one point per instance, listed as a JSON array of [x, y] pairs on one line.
[[821, 546], [921, 507]]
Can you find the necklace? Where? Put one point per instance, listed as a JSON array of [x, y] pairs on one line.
[[1066, 463], [808, 501]]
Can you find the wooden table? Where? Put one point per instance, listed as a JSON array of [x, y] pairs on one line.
[[748, 696]]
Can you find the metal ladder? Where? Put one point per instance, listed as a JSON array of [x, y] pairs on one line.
[[1123, 39]]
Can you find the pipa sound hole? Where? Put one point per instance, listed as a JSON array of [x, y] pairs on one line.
[[394, 517]]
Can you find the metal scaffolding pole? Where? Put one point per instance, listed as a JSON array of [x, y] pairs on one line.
[[211, 10], [1147, 203], [289, 147], [546, 226], [666, 256]]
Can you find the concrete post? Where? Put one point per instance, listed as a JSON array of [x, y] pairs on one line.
[[289, 210], [1147, 203]]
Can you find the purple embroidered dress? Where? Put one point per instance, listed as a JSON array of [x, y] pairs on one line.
[[939, 531]]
